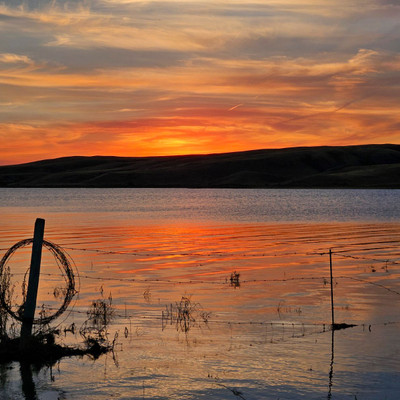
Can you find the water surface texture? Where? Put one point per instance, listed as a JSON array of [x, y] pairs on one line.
[[251, 270]]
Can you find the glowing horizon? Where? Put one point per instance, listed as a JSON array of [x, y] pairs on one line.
[[130, 78]]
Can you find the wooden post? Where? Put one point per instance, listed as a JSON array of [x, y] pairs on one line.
[[33, 283], [332, 307]]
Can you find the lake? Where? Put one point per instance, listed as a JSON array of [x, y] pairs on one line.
[[216, 294]]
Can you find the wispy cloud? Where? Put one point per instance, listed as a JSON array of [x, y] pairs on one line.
[[14, 58]]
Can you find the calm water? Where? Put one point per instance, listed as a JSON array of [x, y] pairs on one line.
[[220, 205], [265, 337]]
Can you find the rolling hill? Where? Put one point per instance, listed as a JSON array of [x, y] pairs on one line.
[[366, 166]]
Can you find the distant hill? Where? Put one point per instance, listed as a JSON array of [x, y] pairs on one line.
[[368, 166]]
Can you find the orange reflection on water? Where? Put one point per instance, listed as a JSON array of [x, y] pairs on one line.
[[266, 328], [277, 264]]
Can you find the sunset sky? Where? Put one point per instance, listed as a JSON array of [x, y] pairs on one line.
[[138, 78]]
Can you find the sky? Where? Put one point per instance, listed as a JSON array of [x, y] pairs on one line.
[[149, 78]]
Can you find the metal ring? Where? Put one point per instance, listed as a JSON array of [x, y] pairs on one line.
[[61, 257]]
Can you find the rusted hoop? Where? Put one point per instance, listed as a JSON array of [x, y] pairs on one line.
[[69, 277]]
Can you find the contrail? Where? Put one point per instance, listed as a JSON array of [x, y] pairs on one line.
[[327, 112], [237, 105]]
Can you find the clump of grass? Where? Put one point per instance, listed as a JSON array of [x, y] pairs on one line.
[[100, 314], [185, 314], [234, 279], [185, 310]]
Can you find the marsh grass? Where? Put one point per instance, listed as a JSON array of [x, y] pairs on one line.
[[185, 314], [234, 279], [95, 328]]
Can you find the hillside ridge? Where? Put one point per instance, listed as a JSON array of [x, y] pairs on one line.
[[362, 166]]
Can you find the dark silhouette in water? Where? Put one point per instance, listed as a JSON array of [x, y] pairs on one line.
[[28, 386], [331, 366]]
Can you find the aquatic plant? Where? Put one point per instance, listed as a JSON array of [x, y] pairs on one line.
[[234, 279], [100, 314], [185, 314]]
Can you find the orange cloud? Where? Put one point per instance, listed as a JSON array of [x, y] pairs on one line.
[[133, 78]]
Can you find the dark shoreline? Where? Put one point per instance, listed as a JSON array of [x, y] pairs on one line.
[[352, 167]]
